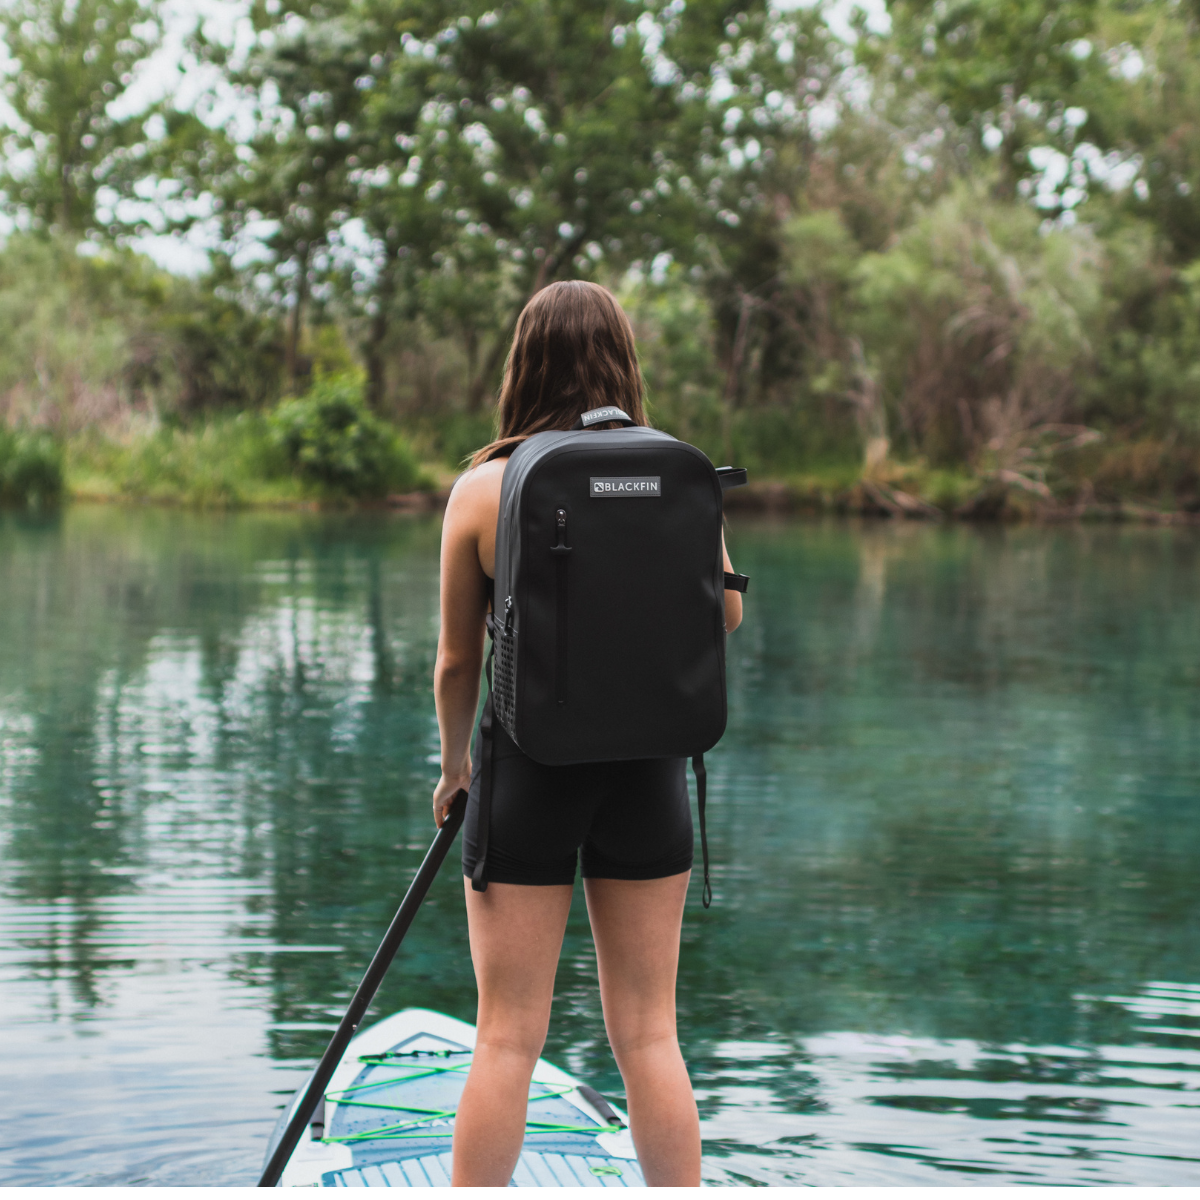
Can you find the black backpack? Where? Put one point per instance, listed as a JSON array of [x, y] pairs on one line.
[[608, 621]]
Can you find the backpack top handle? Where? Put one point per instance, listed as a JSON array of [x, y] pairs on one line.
[[600, 416]]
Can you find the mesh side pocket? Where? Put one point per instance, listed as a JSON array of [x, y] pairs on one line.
[[504, 685]]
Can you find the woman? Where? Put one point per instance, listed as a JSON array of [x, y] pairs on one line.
[[573, 350]]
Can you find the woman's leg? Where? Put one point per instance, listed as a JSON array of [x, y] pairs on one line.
[[516, 935], [635, 925]]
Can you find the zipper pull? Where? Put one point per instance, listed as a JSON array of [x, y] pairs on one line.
[[508, 616], [560, 524]]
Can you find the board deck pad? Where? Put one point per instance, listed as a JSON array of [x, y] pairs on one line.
[[388, 1117]]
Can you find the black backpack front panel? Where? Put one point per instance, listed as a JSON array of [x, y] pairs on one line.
[[610, 627]]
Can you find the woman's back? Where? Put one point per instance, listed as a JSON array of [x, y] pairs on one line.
[[626, 823]]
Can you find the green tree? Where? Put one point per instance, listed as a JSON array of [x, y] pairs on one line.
[[286, 186], [1150, 118], [776, 87], [485, 153], [73, 59], [543, 144], [1008, 70]]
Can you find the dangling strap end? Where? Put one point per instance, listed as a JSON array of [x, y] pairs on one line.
[[701, 774]]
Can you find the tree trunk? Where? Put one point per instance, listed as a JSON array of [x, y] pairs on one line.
[[1006, 184], [547, 273], [471, 347], [373, 352], [737, 355], [870, 414], [381, 321], [495, 356], [296, 319], [67, 208]]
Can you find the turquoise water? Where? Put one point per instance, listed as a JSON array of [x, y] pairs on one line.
[[955, 826]]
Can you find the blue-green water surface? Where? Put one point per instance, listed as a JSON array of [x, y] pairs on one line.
[[955, 825]]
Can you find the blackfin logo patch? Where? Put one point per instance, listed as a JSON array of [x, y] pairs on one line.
[[628, 487]]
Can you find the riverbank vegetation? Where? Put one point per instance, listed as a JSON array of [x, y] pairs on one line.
[[943, 258]]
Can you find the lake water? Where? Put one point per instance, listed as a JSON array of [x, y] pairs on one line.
[[955, 826]]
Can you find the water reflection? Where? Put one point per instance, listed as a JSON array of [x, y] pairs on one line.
[[954, 829], [901, 1110]]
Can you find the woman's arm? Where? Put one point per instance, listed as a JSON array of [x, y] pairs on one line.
[[460, 642], [733, 600]]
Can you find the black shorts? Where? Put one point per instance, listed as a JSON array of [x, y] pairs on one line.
[[631, 819]]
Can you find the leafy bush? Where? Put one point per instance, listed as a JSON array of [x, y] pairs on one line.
[[227, 462], [332, 441], [91, 341], [31, 467]]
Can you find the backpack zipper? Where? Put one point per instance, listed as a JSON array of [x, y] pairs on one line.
[[561, 550]]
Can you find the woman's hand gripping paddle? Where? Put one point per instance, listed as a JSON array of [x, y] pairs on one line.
[[315, 1092]]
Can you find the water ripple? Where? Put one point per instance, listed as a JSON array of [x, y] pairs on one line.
[[953, 826]]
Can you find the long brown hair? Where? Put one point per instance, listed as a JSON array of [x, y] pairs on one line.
[[572, 350]]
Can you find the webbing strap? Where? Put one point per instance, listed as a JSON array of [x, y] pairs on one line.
[[560, 630], [484, 828], [561, 552], [701, 796]]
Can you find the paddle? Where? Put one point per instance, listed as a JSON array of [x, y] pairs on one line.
[[366, 991]]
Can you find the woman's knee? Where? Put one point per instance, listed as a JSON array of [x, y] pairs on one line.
[[633, 1034], [647, 1059], [517, 1046], [514, 1029]]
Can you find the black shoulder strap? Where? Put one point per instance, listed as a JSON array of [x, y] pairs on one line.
[[701, 796], [736, 583]]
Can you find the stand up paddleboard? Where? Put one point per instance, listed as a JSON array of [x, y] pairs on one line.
[[388, 1117]]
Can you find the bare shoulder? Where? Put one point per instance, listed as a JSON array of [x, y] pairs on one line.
[[479, 487], [471, 513], [475, 500]]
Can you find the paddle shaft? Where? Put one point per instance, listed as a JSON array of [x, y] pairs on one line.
[[366, 991]]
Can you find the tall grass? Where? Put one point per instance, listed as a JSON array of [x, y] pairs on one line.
[[227, 462]]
